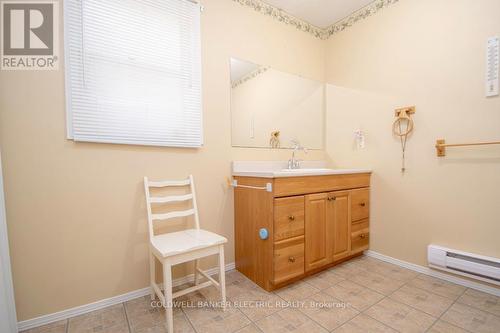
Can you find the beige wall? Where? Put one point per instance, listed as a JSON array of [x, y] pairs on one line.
[[76, 212], [428, 53]]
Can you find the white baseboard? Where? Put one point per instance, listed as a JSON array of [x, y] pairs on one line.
[[79, 310], [428, 271]]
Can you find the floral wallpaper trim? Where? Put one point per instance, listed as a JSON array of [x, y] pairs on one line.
[[358, 15], [282, 16], [249, 76]]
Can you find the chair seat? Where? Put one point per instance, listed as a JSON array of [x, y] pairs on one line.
[[185, 241]]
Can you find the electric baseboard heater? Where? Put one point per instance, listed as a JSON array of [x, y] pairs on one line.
[[472, 265]]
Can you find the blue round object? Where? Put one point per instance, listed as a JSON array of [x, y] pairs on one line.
[[263, 233]]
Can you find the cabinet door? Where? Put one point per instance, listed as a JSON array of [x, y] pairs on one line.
[[340, 231], [317, 242]]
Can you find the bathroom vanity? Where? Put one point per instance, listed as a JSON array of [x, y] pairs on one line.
[[292, 223]]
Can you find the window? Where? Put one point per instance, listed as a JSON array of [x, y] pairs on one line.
[[133, 72]]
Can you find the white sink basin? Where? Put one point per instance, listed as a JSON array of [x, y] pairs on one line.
[[277, 169]]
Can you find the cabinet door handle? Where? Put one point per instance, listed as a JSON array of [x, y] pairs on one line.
[[291, 259], [291, 218], [363, 236], [362, 204], [331, 198]]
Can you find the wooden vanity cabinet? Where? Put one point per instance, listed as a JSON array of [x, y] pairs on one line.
[[313, 222]]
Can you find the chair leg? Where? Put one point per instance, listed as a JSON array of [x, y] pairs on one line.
[[152, 273], [196, 274], [222, 277], [167, 285]]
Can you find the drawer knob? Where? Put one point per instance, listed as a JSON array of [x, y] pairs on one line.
[[362, 204], [291, 259], [332, 198], [291, 218], [362, 236], [263, 234]]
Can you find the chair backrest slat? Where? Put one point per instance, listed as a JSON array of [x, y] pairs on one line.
[[171, 215], [172, 198], [166, 183]]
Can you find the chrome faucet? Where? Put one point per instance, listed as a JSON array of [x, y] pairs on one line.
[[294, 163]]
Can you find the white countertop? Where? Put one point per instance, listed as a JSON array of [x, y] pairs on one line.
[[278, 169]]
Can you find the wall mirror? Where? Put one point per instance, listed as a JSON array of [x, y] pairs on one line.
[[273, 109]]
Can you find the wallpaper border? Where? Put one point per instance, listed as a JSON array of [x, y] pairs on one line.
[[284, 17]]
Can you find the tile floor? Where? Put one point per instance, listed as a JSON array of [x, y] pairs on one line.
[[362, 295]]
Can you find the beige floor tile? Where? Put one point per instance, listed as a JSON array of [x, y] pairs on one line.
[[108, 320], [324, 280], [145, 316], [444, 327], [206, 297], [413, 307], [252, 328], [233, 276], [472, 319], [422, 300], [400, 316], [289, 320], [387, 269], [203, 312], [181, 325], [210, 293], [348, 269], [235, 289], [257, 304], [378, 282], [297, 291], [437, 286], [364, 324], [56, 327], [328, 311], [252, 300], [209, 319], [483, 301], [359, 297]]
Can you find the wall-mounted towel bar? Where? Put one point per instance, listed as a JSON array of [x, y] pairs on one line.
[[441, 145], [268, 187]]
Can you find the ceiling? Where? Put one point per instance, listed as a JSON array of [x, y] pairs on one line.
[[321, 13]]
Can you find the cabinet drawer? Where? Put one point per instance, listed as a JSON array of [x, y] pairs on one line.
[[288, 259], [288, 217], [360, 225], [360, 240], [360, 204]]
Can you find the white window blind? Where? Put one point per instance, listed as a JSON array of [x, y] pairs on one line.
[[133, 72]]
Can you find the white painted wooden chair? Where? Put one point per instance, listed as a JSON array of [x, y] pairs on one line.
[[178, 247]]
